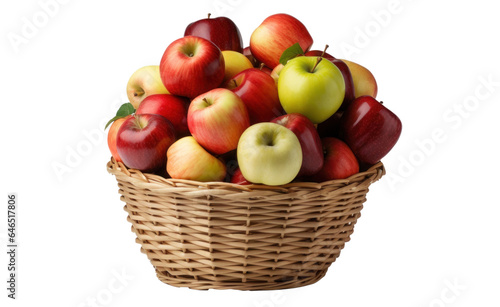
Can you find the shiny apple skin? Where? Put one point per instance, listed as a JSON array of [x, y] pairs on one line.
[[259, 93], [221, 31], [370, 129], [340, 161], [143, 141], [173, 108], [191, 66]]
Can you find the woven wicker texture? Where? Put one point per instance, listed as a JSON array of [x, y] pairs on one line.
[[225, 236]]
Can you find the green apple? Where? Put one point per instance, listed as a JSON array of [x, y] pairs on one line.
[[311, 86], [144, 82], [269, 153]]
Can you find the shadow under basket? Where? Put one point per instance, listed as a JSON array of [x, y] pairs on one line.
[[225, 236]]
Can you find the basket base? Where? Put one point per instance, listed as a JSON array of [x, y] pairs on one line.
[[239, 285]]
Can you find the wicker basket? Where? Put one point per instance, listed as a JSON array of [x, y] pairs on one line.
[[225, 236]]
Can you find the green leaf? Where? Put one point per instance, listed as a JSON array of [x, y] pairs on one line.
[[290, 53], [125, 110]]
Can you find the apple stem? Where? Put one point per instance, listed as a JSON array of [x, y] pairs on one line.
[[324, 51], [206, 101], [317, 62], [209, 14], [261, 66], [235, 84]]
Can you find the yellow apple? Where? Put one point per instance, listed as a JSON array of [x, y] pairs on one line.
[[235, 62], [363, 80], [144, 82]]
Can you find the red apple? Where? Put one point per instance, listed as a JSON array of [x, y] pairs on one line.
[[143, 140], [112, 133], [259, 94], [221, 31], [274, 35], [237, 178], [370, 129], [340, 161], [173, 108], [191, 66], [186, 159], [216, 119], [310, 142], [346, 73]]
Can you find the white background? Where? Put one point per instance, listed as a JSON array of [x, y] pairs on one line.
[[429, 233]]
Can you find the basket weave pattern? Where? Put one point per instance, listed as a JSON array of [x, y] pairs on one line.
[[227, 236]]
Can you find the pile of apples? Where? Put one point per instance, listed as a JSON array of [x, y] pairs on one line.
[[270, 113]]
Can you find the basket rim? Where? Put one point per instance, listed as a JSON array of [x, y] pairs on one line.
[[119, 169]]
